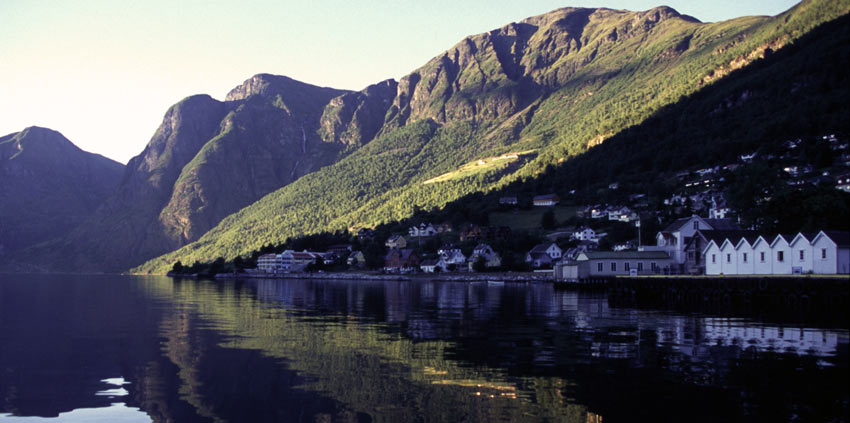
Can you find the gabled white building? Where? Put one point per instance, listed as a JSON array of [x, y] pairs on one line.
[[824, 253]]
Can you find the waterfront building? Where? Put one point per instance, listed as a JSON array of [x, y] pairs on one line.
[[599, 264], [827, 252]]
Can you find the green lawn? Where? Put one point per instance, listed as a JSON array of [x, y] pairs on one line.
[[530, 218]]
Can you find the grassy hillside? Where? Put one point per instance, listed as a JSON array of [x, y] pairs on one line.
[[610, 71]]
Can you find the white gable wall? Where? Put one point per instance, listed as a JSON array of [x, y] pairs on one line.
[[825, 258], [713, 259], [762, 257], [745, 258], [801, 254], [729, 259], [781, 256]]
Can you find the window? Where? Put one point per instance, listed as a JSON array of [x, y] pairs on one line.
[[780, 255], [613, 266], [696, 225], [653, 266], [640, 266], [599, 266], [823, 253], [762, 256], [802, 255], [728, 258], [714, 258], [745, 257], [626, 266]]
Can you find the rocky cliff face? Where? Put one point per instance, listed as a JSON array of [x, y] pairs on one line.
[[48, 186], [207, 160], [491, 76]]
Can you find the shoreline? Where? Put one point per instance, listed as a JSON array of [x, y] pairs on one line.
[[444, 277]]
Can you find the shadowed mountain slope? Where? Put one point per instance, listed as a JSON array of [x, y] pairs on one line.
[[48, 186]]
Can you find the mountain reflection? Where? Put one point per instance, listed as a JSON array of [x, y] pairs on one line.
[[298, 350]]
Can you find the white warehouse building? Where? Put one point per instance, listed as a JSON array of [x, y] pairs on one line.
[[826, 252]]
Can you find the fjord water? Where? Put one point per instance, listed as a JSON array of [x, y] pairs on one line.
[[141, 349]]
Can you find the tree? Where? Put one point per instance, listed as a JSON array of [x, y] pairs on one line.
[[480, 264], [547, 221], [178, 267]]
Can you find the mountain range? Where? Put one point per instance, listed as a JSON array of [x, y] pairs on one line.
[[279, 158]]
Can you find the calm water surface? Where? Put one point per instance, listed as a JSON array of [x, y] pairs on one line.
[[131, 349]]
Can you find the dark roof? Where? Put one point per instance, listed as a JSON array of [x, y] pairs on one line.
[[716, 224], [431, 262], [723, 224], [733, 236], [677, 224], [547, 197], [541, 248]]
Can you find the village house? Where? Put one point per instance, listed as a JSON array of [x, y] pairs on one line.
[[443, 228], [827, 252], [622, 214], [451, 258], [422, 230], [546, 200], [401, 260], [429, 266], [511, 201], [585, 234], [543, 254], [675, 237], [296, 261], [719, 209], [339, 250], [483, 251], [356, 259], [597, 264], [396, 241], [268, 263]]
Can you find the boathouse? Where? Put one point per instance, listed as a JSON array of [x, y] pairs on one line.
[[604, 264]]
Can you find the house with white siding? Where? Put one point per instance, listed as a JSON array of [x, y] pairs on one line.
[[781, 255], [744, 258], [827, 252]]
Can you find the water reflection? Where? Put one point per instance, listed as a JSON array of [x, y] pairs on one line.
[[290, 350]]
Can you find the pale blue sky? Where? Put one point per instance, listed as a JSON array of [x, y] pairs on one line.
[[104, 72]]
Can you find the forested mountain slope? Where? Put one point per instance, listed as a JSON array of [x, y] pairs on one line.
[[550, 86]]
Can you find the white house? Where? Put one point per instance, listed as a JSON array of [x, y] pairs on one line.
[[546, 200], [746, 264], [781, 256], [422, 230], [585, 234], [824, 253], [763, 256], [674, 238], [801, 254], [268, 263], [831, 252], [451, 256]]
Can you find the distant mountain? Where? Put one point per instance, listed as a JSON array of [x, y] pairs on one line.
[[48, 186], [548, 87], [207, 160]]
